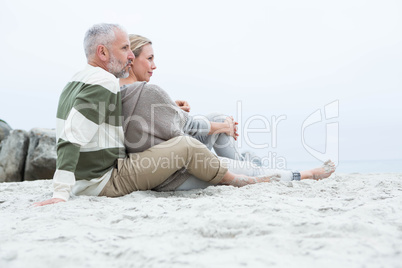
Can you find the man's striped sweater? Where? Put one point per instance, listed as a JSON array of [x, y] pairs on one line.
[[89, 133]]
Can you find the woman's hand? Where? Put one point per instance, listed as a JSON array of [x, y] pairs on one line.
[[183, 105], [231, 127], [48, 202]]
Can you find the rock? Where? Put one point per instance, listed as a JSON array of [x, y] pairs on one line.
[[41, 158], [12, 156], [4, 130]]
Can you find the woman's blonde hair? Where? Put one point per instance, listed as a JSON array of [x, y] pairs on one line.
[[137, 42]]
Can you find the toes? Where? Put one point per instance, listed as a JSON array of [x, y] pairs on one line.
[[329, 166]]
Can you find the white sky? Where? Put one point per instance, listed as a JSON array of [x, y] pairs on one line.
[[275, 57]]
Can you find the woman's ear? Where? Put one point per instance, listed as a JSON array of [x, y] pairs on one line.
[[102, 53]]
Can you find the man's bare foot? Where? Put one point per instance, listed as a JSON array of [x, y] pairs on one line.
[[319, 173]]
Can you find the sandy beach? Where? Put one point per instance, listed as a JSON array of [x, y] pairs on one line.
[[348, 220]]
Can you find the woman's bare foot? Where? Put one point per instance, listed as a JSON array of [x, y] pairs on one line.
[[319, 173]]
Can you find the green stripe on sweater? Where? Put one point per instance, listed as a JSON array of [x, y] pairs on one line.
[[86, 165], [95, 102], [99, 161]]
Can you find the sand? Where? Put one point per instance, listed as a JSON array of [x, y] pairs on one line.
[[348, 220]]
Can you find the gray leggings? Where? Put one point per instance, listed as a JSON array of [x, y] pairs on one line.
[[238, 167], [225, 147]]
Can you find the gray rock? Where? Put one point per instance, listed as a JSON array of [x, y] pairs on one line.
[[4, 130], [12, 156], [41, 158]]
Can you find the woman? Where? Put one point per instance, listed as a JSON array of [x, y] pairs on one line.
[[151, 117], [215, 130]]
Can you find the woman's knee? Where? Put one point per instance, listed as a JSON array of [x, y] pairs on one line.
[[216, 117]]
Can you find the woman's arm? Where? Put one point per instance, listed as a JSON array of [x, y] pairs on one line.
[[150, 116]]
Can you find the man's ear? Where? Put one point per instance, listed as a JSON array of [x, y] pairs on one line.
[[102, 53]]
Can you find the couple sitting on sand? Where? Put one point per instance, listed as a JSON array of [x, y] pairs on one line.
[[156, 145]]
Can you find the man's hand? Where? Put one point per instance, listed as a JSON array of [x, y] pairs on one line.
[[183, 105], [48, 202]]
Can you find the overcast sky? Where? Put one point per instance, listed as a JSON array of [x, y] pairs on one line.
[[259, 61]]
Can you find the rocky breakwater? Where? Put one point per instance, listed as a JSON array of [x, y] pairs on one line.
[[26, 155]]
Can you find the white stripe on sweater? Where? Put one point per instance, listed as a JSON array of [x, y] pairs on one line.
[[105, 136], [98, 76]]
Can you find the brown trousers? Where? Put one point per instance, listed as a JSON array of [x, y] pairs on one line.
[[148, 169]]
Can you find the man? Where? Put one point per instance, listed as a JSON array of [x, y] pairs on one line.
[[91, 157]]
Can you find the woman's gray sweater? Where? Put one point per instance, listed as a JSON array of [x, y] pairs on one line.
[[152, 117]]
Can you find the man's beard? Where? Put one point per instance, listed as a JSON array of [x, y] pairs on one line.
[[117, 68]]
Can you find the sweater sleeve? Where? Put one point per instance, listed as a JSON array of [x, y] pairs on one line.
[[168, 117], [150, 116], [64, 178]]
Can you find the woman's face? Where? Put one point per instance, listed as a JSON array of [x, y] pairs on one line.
[[143, 65]]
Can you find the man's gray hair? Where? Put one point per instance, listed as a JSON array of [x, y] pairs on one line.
[[100, 34]]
